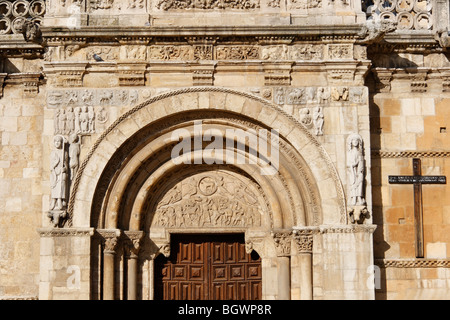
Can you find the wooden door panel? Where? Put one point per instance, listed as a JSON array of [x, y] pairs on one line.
[[202, 269]]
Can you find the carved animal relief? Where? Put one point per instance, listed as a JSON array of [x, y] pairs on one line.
[[209, 200]]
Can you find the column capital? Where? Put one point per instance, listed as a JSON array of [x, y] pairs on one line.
[[282, 240], [133, 242], [110, 239], [303, 238]]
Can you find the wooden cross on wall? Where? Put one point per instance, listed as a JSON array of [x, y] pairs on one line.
[[417, 180]]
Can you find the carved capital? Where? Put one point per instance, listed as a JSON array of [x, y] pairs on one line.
[[282, 240], [303, 238], [133, 242], [110, 239]]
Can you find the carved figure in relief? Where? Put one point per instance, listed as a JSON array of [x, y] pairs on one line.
[[323, 95], [318, 119], [87, 97], [102, 115], [296, 96], [70, 118], [84, 120], [59, 170], [91, 120], [62, 122], [74, 154], [339, 94], [356, 167], [279, 96], [305, 117]]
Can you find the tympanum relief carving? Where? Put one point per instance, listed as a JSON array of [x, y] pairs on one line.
[[214, 199]]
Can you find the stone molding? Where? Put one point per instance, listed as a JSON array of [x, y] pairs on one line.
[[354, 228], [412, 263], [66, 232], [409, 154]]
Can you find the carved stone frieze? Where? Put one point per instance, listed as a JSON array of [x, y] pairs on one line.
[[305, 4], [92, 98], [210, 5], [340, 51], [237, 52], [170, 52], [319, 95]]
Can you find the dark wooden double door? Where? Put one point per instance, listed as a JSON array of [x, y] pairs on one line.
[[208, 267]]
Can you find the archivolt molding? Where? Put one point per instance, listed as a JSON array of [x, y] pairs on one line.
[[305, 135]]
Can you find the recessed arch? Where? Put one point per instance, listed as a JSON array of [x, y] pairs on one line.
[[303, 155]]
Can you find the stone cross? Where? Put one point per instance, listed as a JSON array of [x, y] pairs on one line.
[[417, 180]]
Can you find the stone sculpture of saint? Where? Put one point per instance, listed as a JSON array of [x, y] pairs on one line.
[[59, 160], [74, 155], [355, 164]]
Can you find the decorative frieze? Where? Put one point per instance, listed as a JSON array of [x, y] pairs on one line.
[[237, 52], [66, 232], [210, 5], [410, 154], [412, 263], [319, 95], [81, 98]]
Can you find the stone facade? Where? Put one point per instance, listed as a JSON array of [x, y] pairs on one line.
[[92, 93]]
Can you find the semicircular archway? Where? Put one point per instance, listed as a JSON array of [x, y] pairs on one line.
[[130, 183]]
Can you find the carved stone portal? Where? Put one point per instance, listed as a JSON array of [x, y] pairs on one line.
[[212, 199]]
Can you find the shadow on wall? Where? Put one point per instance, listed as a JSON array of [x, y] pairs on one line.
[[7, 66], [379, 242]]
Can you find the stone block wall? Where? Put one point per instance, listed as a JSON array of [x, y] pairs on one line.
[[21, 191], [410, 119]]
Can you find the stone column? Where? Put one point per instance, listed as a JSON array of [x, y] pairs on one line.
[[132, 250], [282, 241], [303, 239], [111, 239]]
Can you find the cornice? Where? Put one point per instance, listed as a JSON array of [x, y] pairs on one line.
[[208, 35]]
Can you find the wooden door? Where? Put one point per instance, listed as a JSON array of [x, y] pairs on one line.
[[208, 268]]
